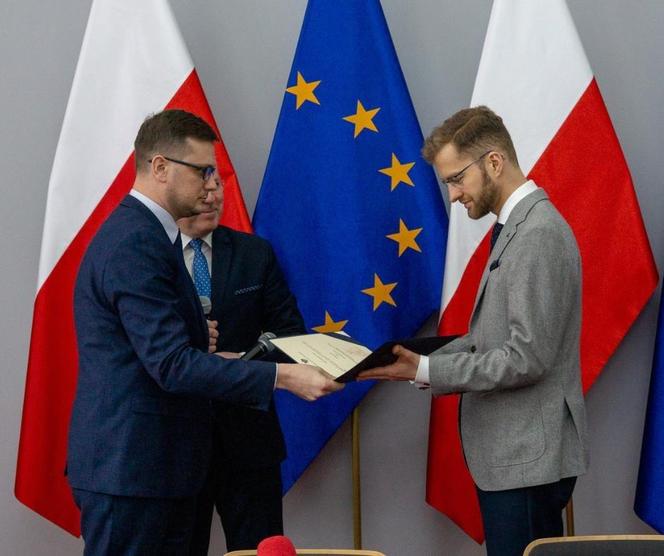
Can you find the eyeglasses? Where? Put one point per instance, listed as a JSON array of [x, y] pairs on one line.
[[457, 179], [206, 171]]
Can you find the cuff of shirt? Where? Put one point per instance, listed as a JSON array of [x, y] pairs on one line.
[[422, 375]]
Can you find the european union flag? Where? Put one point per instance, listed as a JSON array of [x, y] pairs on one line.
[[353, 211], [649, 503]]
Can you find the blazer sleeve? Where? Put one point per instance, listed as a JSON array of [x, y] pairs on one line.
[[461, 344], [542, 294], [140, 282]]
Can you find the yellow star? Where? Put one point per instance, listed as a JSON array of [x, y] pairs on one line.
[[380, 293], [406, 238], [303, 91], [398, 172], [363, 119], [329, 325]]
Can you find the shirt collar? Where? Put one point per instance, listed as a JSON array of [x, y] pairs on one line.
[[165, 217], [517, 195], [207, 239]]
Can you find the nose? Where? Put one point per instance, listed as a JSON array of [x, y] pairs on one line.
[[209, 196], [454, 193], [210, 185]]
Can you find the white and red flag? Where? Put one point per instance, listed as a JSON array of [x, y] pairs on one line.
[[535, 75], [133, 62]]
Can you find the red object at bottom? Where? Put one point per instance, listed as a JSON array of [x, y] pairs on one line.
[[276, 546]]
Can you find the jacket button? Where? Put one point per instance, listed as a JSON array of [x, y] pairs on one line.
[[473, 349]]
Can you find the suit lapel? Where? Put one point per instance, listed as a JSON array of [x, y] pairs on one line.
[[507, 234], [188, 293], [222, 256]]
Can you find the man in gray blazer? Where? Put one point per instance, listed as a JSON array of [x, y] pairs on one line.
[[522, 415]]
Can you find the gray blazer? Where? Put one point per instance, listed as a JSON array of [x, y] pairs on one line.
[[522, 416]]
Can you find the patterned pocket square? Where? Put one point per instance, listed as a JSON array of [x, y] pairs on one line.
[[249, 289]]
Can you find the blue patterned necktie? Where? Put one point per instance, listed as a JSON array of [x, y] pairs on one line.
[[495, 233], [200, 270]]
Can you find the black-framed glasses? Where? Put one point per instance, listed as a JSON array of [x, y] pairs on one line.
[[206, 171], [456, 179]]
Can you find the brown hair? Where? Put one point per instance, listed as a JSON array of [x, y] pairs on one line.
[[472, 131], [167, 130]]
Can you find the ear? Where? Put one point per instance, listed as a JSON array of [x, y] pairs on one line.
[[496, 163], [159, 168]]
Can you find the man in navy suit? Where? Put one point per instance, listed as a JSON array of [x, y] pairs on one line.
[[249, 295], [140, 433]]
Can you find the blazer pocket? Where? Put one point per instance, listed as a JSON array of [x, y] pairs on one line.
[[248, 289], [515, 432]]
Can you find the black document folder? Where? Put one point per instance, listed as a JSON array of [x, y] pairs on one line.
[[383, 355]]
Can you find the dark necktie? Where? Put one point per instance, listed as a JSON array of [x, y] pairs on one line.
[[495, 233], [200, 269]]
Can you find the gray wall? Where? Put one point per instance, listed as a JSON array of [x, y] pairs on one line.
[[243, 51]]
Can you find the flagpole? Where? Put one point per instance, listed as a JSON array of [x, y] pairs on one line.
[[569, 518], [357, 502]]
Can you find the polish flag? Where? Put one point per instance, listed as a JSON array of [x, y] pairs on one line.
[[133, 62], [535, 75]]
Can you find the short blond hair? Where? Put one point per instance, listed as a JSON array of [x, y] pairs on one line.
[[472, 131]]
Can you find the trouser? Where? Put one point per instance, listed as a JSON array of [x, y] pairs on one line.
[[129, 526], [248, 501], [513, 518]]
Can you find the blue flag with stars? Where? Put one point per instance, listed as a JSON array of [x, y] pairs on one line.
[[649, 501], [353, 212]]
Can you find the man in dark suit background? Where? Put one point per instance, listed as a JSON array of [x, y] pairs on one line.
[[249, 295], [140, 433]]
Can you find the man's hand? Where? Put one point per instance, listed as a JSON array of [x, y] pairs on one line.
[[306, 381], [404, 368], [213, 334]]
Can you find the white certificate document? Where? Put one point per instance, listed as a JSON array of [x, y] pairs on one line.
[[333, 355]]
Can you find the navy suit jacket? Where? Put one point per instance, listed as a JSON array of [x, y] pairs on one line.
[[141, 420], [249, 296]]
